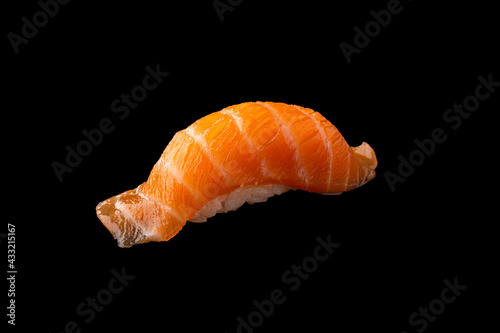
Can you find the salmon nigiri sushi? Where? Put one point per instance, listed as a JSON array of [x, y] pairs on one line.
[[244, 153]]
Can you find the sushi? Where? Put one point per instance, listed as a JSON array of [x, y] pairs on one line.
[[243, 153]]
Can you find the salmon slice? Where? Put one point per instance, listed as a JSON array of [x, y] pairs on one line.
[[244, 153]]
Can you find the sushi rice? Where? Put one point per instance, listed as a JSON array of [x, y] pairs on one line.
[[235, 199]]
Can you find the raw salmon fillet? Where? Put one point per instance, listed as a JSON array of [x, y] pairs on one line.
[[246, 152]]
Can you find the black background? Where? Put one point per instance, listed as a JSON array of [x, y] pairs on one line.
[[397, 247]]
